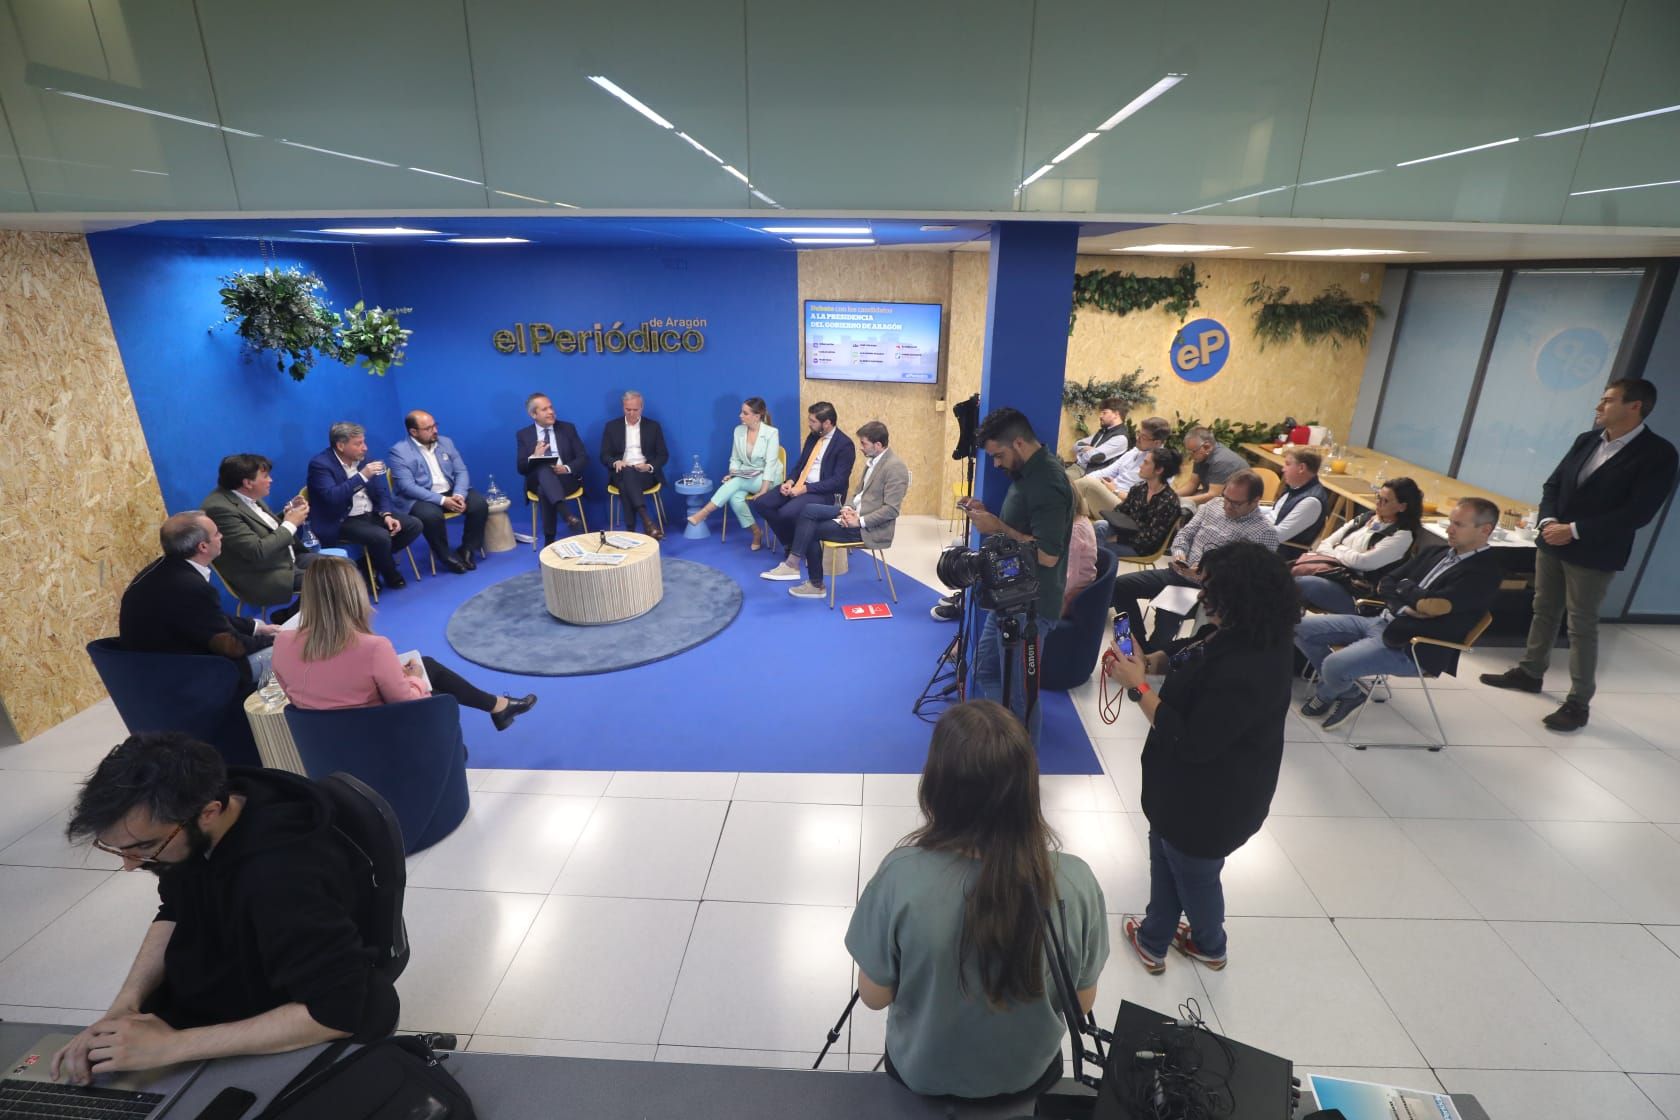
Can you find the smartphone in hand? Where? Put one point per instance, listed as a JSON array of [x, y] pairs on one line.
[[1123, 634]]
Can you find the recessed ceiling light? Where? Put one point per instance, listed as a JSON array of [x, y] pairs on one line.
[[381, 231], [1176, 248], [1461, 151], [1141, 100], [1344, 253], [489, 240], [1036, 176], [1075, 146], [836, 231], [1633, 187], [832, 240], [938, 229]]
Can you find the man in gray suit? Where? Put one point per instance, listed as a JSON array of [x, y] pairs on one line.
[[868, 517], [261, 561]]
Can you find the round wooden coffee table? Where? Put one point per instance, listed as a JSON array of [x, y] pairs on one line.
[[587, 594]]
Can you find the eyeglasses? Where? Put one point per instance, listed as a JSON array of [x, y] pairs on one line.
[[130, 851]]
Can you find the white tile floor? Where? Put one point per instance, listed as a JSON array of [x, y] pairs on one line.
[[1502, 917]]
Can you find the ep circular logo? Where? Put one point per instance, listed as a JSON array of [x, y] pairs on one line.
[[1571, 358], [1199, 349]]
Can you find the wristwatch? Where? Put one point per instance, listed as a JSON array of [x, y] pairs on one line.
[[1136, 694]]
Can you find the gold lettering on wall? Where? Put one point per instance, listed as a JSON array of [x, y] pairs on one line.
[[658, 335]]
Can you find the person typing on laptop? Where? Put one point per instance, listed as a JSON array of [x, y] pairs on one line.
[[254, 948]]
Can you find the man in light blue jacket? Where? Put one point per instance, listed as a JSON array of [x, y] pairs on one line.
[[429, 481]]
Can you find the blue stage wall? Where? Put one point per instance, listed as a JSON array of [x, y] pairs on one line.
[[463, 295], [197, 396], [199, 399]]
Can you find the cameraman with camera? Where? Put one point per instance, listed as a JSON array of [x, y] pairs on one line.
[[1037, 512]]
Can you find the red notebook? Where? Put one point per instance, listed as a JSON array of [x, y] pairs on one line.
[[867, 610]]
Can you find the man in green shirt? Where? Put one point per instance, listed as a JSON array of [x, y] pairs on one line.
[[1037, 508]]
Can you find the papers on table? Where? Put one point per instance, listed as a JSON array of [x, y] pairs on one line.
[[1177, 600], [607, 558], [1367, 1100], [619, 540], [411, 658]]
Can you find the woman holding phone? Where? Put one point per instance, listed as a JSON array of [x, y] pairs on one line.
[[755, 465], [1210, 764]]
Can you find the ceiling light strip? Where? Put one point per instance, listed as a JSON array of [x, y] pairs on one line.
[[1612, 120], [340, 155], [442, 175], [1075, 146], [1461, 151], [623, 95], [1342, 178], [526, 198], [1630, 187], [1135, 104]]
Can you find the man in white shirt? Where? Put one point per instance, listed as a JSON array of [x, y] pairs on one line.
[[261, 559], [819, 478], [1105, 487], [429, 481], [634, 453], [869, 517], [348, 501]]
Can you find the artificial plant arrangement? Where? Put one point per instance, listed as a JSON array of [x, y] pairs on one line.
[[1230, 432], [1331, 315], [376, 338], [1122, 292], [280, 310], [1081, 399]]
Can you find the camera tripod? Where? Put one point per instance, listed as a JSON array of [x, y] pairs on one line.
[[1014, 629]]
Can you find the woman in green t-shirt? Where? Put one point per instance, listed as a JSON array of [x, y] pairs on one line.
[[949, 934]]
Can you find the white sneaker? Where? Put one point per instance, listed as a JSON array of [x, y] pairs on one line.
[[782, 572]]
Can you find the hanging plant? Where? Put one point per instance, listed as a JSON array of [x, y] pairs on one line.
[[1123, 292], [279, 310], [1332, 315], [374, 338], [1132, 388]]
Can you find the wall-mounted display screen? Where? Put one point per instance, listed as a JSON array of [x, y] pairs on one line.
[[858, 341]]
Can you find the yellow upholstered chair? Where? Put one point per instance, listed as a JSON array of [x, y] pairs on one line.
[[574, 496], [723, 532], [653, 492]]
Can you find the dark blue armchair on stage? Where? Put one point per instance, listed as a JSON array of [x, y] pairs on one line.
[[410, 753], [199, 694], [1072, 648]]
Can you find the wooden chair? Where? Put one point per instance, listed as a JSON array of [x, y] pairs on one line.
[[655, 491], [1465, 646], [835, 548], [771, 542], [1270, 483], [238, 603], [959, 491], [574, 496], [1141, 562]]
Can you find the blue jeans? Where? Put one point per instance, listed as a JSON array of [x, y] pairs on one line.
[[988, 670], [1363, 653], [1326, 594], [1182, 884]]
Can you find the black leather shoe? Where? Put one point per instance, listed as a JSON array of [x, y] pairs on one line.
[[1513, 678], [454, 565], [514, 709], [1571, 717], [465, 556], [574, 524], [393, 583]]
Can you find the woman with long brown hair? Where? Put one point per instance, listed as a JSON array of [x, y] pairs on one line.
[[755, 465], [335, 660], [949, 934]]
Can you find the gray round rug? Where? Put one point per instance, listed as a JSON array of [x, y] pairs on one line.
[[505, 627]]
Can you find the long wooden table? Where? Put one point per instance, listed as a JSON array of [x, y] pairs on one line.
[[1352, 487]]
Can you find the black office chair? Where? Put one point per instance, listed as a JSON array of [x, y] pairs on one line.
[[369, 829]]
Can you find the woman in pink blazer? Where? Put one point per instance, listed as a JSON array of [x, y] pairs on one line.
[[335, 660]]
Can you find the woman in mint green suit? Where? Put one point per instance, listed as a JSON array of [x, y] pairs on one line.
[[755, 465]]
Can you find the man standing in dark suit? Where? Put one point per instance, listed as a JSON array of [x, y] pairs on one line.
[[551, 459], [344, 506], [1609, 486], [633, 451], [825, 467], [261, 560], [171, 607]]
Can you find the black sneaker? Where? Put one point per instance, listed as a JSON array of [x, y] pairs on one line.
[[1343, 710], [1314, 707], [945, 612], [1571, 717], [1513, 678]]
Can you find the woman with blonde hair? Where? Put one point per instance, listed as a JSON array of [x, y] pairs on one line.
[[949, 935], [754, 466], [335, 660]]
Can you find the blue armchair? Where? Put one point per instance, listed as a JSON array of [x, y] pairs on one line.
[[199, 694], [1072, 648], [411, 754]]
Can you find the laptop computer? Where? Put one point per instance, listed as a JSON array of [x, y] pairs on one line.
[[28, 1090]]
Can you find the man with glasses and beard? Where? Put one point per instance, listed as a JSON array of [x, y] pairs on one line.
[[254, 948]]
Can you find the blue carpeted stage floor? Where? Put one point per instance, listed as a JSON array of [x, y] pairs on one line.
[[788, 686]]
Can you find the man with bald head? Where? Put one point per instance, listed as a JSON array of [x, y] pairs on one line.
[[171, 607], [429, 481]]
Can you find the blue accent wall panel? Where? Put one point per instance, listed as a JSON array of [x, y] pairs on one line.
[[463, 295], [198, 397]]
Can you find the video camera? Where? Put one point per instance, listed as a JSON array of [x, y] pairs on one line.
[[1003, 570]]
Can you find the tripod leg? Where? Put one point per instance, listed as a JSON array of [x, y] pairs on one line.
[[839, 1025]]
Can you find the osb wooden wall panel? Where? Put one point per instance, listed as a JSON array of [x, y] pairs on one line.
[[1317, 382], [912, 414], [81, 501], [970, 278]]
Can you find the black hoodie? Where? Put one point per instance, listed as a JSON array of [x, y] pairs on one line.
[[266, 919]]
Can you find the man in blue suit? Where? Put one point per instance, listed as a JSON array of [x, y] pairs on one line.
[[824, 470], [429, 481], [551, 459], [344, 506]]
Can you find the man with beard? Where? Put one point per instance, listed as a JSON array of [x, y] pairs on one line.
[[254, 949], [1038, 507]]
